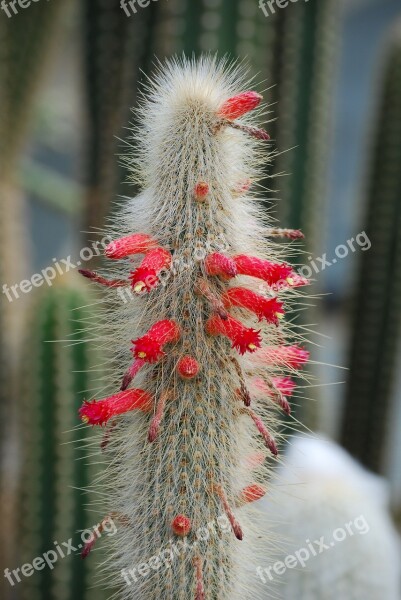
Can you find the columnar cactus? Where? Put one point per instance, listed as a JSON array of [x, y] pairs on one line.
[[201, 351]]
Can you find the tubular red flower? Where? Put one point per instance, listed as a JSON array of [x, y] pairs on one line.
[[282, 356], [251, 493], [188, 367], [265, 308], [137, 243], [221, 265], [181, 525], [243, 339], [268, 438], [150, 346], [145, 277], [263, 269], [98, 412], [239, 105]]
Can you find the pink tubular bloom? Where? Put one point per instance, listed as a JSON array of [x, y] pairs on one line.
[[285, 385], [243, 339], [221, 265], [137, 243], [93, 276], [239, 105], [98, 412], [270, 272], [145, 277], [269, 309], [251, 493], [282, 356], [150, 346]]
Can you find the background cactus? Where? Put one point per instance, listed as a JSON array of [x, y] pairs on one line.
[[377, 312], [337, 499], [59, 368], [183, 437]]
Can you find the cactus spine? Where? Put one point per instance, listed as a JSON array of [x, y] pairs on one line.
[[186, 449]]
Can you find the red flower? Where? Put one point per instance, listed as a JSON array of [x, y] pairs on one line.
[[145, 277], [253, 492], [285, 385], [243, 339], [221, 265], [150, 346], [181, 525], [269, 309], [263, 269], [239, 105], [282, 356], [137, 243], [100, 411], [188, 367]]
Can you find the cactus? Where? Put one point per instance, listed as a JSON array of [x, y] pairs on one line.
[[202, 384], [377, 310], [332, 528], [58, 369]]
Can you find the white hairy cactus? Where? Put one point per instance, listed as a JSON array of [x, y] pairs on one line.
[[189, 437]]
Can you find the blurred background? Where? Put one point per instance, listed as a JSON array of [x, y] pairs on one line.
[[69, 75]]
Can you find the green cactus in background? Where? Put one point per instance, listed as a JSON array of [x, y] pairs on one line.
[[377, 307], [116, 48], [59, 369]]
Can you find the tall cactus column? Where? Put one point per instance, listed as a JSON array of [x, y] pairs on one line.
[[377, 309], [58, 370], [201, 346]]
